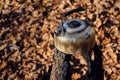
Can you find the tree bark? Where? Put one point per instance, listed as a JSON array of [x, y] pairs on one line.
[[59, 66]]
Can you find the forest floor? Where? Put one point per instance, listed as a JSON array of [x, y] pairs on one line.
[[26, 43]]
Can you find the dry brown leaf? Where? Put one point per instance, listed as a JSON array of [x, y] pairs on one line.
[[76, 76], [109, 71], [3, 47], [105, 41], [2, 65], [118, 47], [118, 65], [45, 37]]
